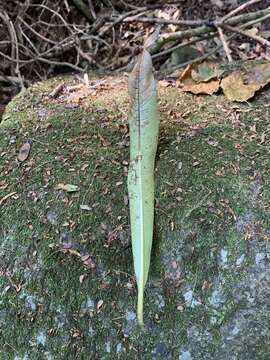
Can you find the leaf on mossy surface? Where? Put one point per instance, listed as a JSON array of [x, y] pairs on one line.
[[241, 86], [188, 83], [67, 187], [24, 152]]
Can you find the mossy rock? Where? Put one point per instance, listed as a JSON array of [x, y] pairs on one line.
[[209, 286]]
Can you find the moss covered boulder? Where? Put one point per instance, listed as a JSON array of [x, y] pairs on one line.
[[67, 287]]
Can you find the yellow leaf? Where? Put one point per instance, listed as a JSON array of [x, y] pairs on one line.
[[241, 86], [67, 187]]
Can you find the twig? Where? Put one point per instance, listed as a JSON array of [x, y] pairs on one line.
[[238, 9], [201, 30], [224, 43], [256, 21], [54, 93], [84, 9], [258, 38], [13, 80], [181, 45], [198, 59], [92, 10], [166, 21]]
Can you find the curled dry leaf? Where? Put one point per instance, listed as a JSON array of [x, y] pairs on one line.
[[205, 86], [241, 86], [24, 152]]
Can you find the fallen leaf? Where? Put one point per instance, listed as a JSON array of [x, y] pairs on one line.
[[187, 83], [206, 71], [88, 261], [85, 207], [186, 74], [24, 152], [67, 187], [7, 196], [81, 278], [59, 88], [208, 88], [84, 167], [164, 83], [242, 85], [234, 88], [99, 304]]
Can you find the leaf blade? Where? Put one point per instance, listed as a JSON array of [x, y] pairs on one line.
[[144, 126]]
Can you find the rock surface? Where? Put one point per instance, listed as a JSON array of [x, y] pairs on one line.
[[67, 289]]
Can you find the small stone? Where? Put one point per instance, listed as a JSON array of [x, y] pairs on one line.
[[185, 355], [188, 296], [88, 305], [240, 260], [41, 338], [216, 298], [259, 258], [30, 302], [131, 316], [119, 348], [223, 257], [108, 347], [159, 301], [235, 330], [52, 217], [160, 350]]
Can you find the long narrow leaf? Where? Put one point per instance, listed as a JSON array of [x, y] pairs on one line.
[[144, 126]]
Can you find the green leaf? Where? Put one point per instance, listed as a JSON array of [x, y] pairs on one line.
[[144, 126]]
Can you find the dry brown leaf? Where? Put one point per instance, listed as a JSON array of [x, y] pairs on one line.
[[208, 88], [187, 83], [186, 74], [164, 83], [241, 86], [24, 152]]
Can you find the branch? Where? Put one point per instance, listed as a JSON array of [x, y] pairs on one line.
[[84, 9], [201, 30], [258, 38], [238, 9], [165, 21], [224, 43]]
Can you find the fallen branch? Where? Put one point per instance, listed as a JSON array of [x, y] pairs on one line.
[[201, 30], [238, 9], [257, 38], [224, 43]]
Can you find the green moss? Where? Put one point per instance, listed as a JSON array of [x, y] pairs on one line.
[[204, 170]]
